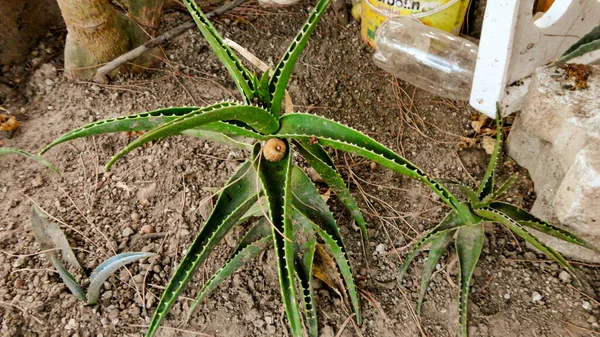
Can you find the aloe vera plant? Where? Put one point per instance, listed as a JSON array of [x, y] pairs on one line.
[[270, 185], [10, 150], [466, 227]]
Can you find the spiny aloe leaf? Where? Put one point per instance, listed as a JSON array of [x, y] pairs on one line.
[[588, 43], [256, 117], [275, 177], [449, 224], [49, 236], [263, 90], [505, 186], [107, 268], [218, 137], [283, 70], [469, 242], [304, 257], [529, 220], [9, 150], [68, 278], [241, 76], [253, 243], [487, 184], [323, 165], [471, 195], [438, 247], [149, 120], [308, 201], [239, 195], [301, 126]]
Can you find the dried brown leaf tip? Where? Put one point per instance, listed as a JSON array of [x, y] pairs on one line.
[[576, 76], [8, 123]]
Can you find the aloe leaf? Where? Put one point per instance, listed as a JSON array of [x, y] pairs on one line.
[[304, 258], [529, 220], [505, 186], [471, 195], [487, 184], [448, 225], [241, 76], [68, 278], [107, 268], [255, 117], [308, 201], [254, 243], [263, 90], [275, 177], [283, 70], [10, 150], [218, 137], [438, 246], [49, 236], [469, 242], [323, 165], [588, 43], [239, 195], [301, 126]]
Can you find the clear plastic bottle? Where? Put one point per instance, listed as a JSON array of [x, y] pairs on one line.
[[426, 57]]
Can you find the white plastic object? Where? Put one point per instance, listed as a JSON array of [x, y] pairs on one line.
[[513, 44], [426, 57]]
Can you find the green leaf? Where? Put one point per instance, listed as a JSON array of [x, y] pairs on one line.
[[263, 91], [283, 70], [254, 243], [497, 216], [240, 193], [107, 268], [309, 202], [323, 165], [588, 43], [68, 278], [505, 186], [471, 195], [449, 224], [305, 253], [241, 76], [218, 137], [275, 177], [149, 120], [529, 220], [487, 184], [9, 150], [438, 247], [469, 242], [256, 117], [301, 126]]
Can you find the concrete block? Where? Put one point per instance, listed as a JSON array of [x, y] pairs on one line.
[[556, 137]]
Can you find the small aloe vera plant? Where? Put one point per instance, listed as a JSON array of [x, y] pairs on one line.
[[269, 184], [465, 226]]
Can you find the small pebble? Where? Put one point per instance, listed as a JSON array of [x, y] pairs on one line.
[[49, 82], [135, 216], [127, 232], [147, 229], [536, 297], [586, 305], [565, 277], [507, 296], [373, 166]]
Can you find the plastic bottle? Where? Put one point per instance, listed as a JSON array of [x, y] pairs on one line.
[[426, 57]]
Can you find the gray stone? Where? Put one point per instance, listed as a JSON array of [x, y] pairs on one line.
[[556, 137]]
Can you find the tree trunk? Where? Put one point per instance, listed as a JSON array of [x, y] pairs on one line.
[[97, 34], [146, 13]]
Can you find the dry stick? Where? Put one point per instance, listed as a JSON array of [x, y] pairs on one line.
[[102, 73]]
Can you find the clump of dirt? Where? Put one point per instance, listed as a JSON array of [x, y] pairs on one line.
[[515, 291]]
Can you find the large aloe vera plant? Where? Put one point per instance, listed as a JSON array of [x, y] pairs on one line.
[[269, 184]]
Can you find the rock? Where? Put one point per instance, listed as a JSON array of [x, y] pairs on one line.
[[314, 176], [536, 297], [127, 232], [565, 276], [147, 229], [586, 305], [556, 137], [49, 82], [21, 260], [135, 216]]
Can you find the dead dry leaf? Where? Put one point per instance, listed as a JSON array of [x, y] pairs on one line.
[[466, 143], [8, 123], [325, 269], [488, 144], [478, 121]]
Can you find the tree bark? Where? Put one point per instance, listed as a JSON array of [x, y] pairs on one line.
[[97, 33], [146, 13]]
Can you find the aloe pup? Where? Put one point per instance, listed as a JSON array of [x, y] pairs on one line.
[[270, 185]]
